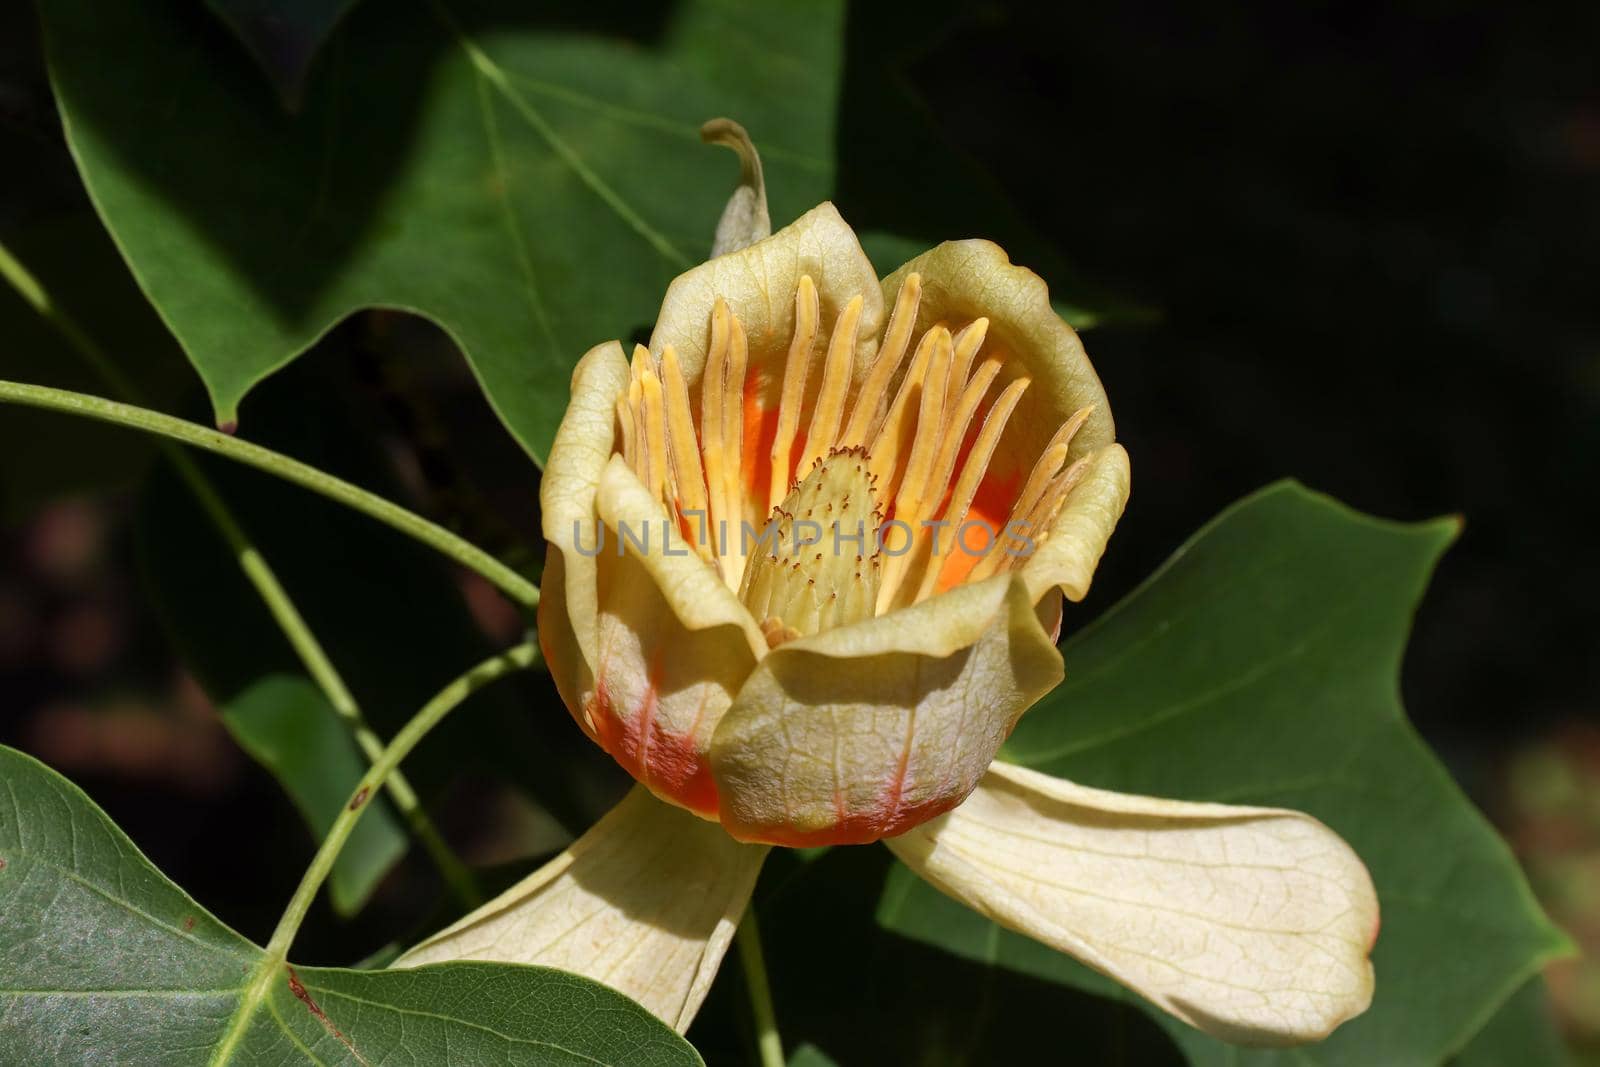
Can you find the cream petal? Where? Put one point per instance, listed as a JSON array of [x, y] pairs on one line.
[[759, 281], [673, 646], [966, 280], [1069, 555], [1252, 924], [858, 732], [645, 902], [568, 620]]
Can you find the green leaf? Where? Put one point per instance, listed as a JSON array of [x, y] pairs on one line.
[[286, 723], [387, 610], [810, 1056], [105, 961], [1260, 666], [1522, 1032], [42, 456], [284, 36], [530, 179]]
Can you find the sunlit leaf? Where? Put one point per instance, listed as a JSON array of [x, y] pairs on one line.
[[1260, 666], [103, 960], [529, 176]]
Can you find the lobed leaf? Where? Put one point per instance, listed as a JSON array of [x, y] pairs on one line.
[[105, 961], [1259, 666], [530, 178]]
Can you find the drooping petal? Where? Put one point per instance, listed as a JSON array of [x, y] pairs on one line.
[[673, 645], [645, 902], [568, 626], [859, 732], [1252, 924]]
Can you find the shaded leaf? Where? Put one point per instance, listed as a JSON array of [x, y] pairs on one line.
[[42, 456], [530, 177], [1259, 666], [1522, 1032], [387, 610], [284, 36], [104, 960], [286, 723]]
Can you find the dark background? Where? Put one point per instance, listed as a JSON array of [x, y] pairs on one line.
[[1350, 244]]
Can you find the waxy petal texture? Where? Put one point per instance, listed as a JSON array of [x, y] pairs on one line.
[[860, 732], [967, 280], [647, 902], [674, 645], [1252, 924], [758, 283], [569, 600]]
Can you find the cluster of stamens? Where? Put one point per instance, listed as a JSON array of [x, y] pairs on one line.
[[869, 509]]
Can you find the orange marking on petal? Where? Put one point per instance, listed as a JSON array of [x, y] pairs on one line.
[[853, 828], [760, 431], [676, 769]]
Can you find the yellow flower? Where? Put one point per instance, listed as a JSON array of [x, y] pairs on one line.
[[807, 556]]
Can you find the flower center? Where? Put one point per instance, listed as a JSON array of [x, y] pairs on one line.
[[902, 450], [817, 563]]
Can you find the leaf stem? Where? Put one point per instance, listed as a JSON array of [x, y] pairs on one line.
[[437, 537], [768, 1042], [431, 714], [261, 575]]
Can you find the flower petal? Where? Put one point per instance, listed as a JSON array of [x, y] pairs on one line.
[[759, 281], [1068, 557], [646, 902], [966, 280], [862, 731], [1252, 924], [673, 645], [584, 442]]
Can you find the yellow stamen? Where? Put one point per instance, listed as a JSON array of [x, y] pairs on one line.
[[1048, 464], [829, 409], [910, 501], [968, 340], [865, 416], [641, 465], [733, 423], [895, 432], [689, 480], [955, 429], [1044, 513], [711, 393], [806, 313], [977, 465], [654, 420], [916, 442]]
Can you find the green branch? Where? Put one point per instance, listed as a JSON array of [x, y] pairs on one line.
[[437, 537], [432, 713], [768, 1042], [261, 575]]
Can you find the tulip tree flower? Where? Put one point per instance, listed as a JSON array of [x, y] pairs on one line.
[[767, 687]]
